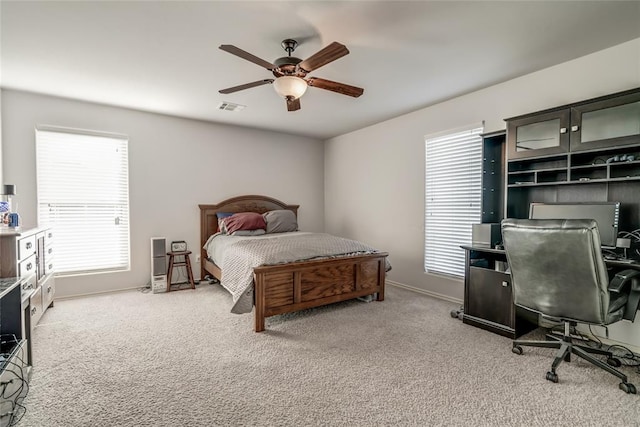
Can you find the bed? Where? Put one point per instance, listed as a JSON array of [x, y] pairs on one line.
[[298, 285]]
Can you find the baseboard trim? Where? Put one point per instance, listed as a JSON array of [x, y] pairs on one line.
[[425, 292], [97, 293]]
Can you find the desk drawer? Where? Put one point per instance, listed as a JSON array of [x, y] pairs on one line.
[[26, 247], [27, 267], [489, 296]]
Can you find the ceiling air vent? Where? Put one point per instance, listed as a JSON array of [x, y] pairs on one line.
[[230, 106]]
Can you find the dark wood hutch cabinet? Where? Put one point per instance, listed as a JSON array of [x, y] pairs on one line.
[[583, 152], [600, 161]]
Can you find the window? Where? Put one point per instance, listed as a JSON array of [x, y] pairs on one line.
[[83, 192], [453, 181]]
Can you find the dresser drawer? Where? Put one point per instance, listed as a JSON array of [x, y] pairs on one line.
[[48, 252], [27, 267], [29, 284], [35, 307], [26, 247], [48, 266], [48, 292]]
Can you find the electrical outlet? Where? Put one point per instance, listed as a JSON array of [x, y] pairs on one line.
[[197, 258]]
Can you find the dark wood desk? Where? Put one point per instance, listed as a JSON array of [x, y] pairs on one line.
[[488, 297]]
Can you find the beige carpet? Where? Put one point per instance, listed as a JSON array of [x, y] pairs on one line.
[[181, 359]]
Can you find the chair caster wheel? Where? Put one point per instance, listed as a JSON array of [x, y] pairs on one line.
[[628, 388], [516, 349], [454, 313], [615, 362], [553, 377]]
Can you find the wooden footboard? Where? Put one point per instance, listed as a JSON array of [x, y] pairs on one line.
[[292, 287]]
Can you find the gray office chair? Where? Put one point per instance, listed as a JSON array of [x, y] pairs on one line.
[[557, 271]]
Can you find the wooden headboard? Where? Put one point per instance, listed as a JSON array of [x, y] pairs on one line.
[[252, 203]]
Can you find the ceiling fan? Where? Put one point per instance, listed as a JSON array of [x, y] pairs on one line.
[[291, 72]]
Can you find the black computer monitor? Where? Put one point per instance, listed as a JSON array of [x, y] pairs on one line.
[[606, 215]]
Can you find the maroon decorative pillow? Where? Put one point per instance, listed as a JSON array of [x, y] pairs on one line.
[[244, 221]]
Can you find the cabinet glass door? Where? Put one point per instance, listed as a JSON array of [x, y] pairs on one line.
[[609, 123], [540, 135]]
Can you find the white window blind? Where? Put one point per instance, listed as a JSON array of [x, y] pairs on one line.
[[453, 181], [83, 192]]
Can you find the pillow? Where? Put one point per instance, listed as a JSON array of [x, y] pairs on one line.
[[244, 221], [256, 232], [280, 221], [221, 216]]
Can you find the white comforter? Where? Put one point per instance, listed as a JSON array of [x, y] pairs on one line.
[[237, 256]]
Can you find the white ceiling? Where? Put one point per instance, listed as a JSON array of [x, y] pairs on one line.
[[163, 56]]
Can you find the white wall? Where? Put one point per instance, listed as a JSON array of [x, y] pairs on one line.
[[174, 165], [1, 173], [1, 179], [374, 177]]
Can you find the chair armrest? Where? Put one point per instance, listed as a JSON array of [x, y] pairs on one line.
[[623, 277], [618, 285], [633, 302]]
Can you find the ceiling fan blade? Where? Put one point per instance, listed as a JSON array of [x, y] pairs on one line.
[[330, 53], [335, 87], [293, 104], [246, 86], [246, 55]]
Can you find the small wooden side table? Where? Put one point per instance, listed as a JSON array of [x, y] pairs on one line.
[[177, 263]]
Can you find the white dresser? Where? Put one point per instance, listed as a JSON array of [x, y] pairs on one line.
[[29, 256]]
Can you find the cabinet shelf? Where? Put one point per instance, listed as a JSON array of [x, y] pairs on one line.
[[622, 179], [539, 161], [546, 174], [596, 166], [574, 182], [536, 184], [588, 181], [520, 172]]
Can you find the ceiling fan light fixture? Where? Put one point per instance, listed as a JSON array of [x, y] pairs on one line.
[[290, 86]]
